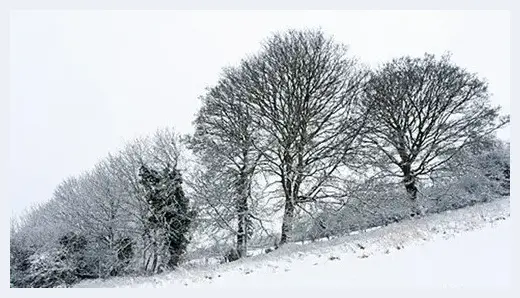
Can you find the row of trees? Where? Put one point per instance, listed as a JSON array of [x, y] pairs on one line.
[[130, 213], [307, 114], [300, 131]]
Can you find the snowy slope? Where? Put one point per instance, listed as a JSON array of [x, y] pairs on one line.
[[469, 247]]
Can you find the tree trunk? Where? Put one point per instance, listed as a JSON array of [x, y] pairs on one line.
[[290, 187], [154, 263], [406, 167], [411, 189], [287, 220], [242, 228], [242, 212], [173, 262]]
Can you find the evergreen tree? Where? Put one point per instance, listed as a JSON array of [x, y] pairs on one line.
[[170, 214]]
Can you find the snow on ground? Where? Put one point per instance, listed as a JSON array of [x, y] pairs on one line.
[[469, 247]]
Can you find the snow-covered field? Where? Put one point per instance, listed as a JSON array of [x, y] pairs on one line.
[[469, 247]]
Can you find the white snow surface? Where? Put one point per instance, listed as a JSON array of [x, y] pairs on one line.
[[465, 248]]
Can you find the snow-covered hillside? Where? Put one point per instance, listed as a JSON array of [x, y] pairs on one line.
[[469, 247]]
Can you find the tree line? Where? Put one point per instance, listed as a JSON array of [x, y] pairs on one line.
[[297, 141]]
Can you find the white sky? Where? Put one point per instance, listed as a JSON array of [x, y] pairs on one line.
[[83, 83]]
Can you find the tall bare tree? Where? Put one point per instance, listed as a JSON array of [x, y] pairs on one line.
[[423, 111], [302, 88], [224, 136]]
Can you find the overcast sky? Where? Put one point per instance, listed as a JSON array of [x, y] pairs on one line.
[[84, 83]]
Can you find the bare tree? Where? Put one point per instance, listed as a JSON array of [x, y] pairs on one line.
[[302, 88], [423, 111], [224, 137]]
